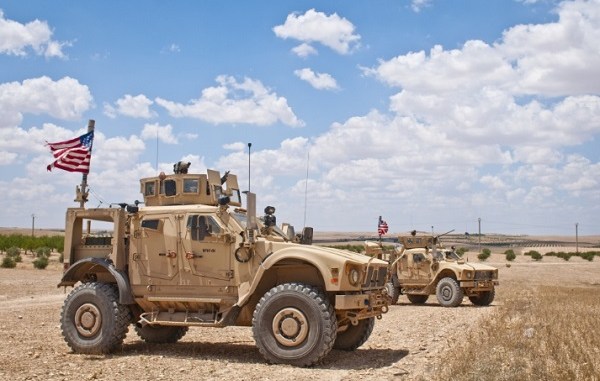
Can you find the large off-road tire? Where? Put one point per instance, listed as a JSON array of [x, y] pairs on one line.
[[449, 293], [294, 324], [417, 299], [483, 298], [92, 320], [393, 291], [160, 334], [353, 336]]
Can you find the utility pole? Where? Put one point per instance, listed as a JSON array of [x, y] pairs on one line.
[[577, 237], [32, 225], [479, 235]]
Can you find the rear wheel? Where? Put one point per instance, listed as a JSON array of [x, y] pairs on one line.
[[417, 299], [449, 293], [92, 320], [483, 298], [353, 336], [294, 324], [160, 334]]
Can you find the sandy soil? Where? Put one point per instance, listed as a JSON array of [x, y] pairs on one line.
[[405, 345]]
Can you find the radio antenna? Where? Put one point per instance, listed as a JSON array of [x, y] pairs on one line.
[[306, 186], [249, 147]]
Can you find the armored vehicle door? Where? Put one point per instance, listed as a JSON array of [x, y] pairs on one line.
[[207, 251], [415, 267], [155, 250]]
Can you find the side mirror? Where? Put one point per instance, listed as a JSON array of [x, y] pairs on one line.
[[307, 236]]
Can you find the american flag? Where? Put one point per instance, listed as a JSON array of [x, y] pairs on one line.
[[382, 227], [73, 155]]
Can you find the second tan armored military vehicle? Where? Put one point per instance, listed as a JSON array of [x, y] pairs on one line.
[[191, 256], [420, 267]]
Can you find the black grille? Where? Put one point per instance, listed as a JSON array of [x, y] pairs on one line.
[[484, 275], [376, 277]]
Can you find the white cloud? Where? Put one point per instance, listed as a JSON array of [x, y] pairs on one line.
[[417, 5], [237, 146], [560, 58], [63, 99], [332, 31], [164, 133], [133, 106], [493, 182], [16, 38], [320, 81], [247, 101], [304, 50]]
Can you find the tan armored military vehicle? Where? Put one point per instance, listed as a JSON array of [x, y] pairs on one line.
[[193, 257], [420, 268]]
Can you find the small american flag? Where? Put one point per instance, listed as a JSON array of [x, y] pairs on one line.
[[382, 227], [73, 155]]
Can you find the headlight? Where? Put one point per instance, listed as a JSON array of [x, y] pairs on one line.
[[469, 274], [354, 277]]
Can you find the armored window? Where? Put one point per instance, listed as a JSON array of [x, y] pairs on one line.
[[170, 187], [235, 196], [190, 186], [418, 257], [150, 188], [151, 224], [202, 226]]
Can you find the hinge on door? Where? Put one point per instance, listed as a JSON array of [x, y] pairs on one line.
[[229, 274]]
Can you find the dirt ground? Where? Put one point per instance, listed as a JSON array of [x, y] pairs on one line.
[[405, 345]]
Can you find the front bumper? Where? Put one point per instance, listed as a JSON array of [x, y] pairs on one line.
[[355, 307], [479, 285]]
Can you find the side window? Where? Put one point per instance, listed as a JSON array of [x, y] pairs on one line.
[[201, 227], [170, 188], [190, 186], [150, 188], [151, 224]]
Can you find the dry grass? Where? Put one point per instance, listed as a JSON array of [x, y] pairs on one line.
[[546, 333]]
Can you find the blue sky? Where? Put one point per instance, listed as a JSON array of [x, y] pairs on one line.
[[428, 113]]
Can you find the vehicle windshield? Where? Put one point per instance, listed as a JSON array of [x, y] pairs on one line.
[[451, 255], [240, 218]]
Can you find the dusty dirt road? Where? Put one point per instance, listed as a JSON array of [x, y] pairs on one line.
[[407, 344]]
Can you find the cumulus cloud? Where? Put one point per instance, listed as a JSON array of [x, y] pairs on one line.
[[164, 133], [237, 146], [304, 50], [417, 5], [320, 81], [16, 38], [133, 106], [232, 101], [65, 99], [333, 31], [528, 89]]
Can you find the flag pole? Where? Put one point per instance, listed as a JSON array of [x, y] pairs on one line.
[[82, 193]]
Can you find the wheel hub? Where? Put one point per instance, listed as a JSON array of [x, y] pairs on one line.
[[290, 327], [446, 293], [88, 320]]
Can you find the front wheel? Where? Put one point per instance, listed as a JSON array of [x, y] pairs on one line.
[[483, 298], [353, 336], [449, 293], [92, 320], [294, 324], [393, 291]]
